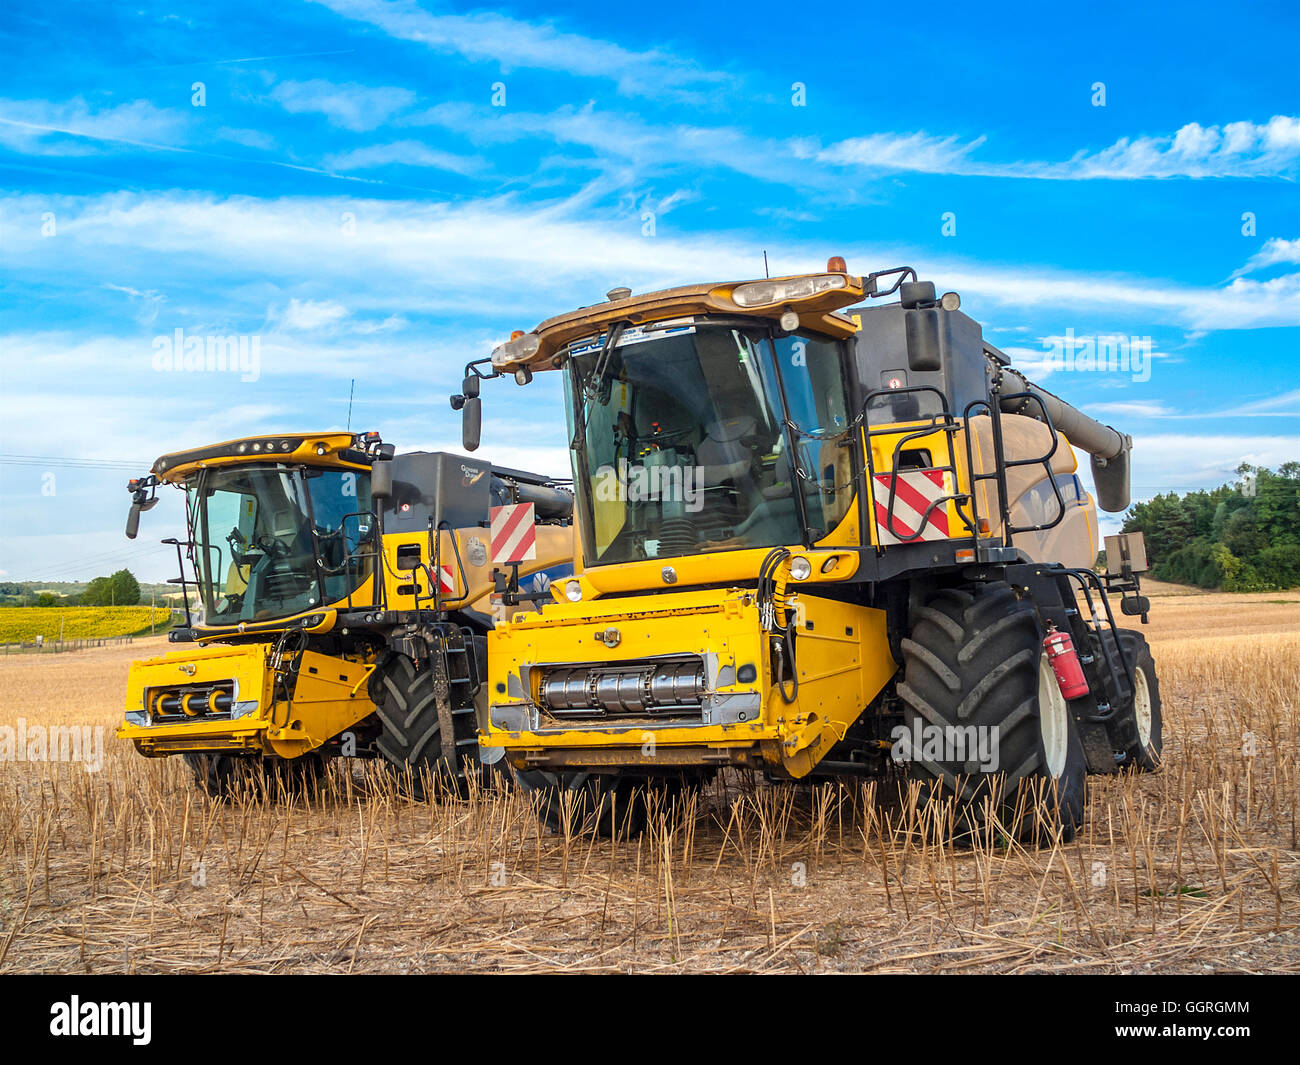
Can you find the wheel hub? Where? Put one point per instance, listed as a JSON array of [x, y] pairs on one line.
[[1142, 706], [1053, 718]]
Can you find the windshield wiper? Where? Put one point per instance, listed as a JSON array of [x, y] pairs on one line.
[[595, 383], [592, 386]]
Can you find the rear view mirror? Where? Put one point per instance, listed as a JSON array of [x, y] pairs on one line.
[[924, 348], [472, 422], [381, 479], [141, 501]]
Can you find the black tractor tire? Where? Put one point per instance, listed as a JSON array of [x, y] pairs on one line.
[[412, 741], [218, 774], [1137, 731], [224, 776], [974, 657], [602, 804]]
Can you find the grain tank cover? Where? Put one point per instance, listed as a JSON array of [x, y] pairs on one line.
[[440, 486], [443, 486], [886, 351]]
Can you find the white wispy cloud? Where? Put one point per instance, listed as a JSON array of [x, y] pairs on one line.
[[1275, 250], [615, 138], [355, 107], [71, 127], [1165, 462], [1135, 408], [309, 315], [917, 152], [1283, 405], [413, 257], [148, 304], [1235, 150], [405, 153], [1242, 304], [249, 138], [516, 44]]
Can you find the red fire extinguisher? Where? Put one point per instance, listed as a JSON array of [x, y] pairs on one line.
[[1065, 663]]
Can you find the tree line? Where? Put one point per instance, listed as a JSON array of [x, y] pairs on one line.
[[117, 589], [1242, 537]]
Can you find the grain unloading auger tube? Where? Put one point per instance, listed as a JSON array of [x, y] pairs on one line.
[[819, 533], [337, 599]]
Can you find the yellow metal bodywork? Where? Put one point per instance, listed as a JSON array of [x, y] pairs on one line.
[[329, 697], [843, 662], [842, 649], [471, 577], [330, 694]]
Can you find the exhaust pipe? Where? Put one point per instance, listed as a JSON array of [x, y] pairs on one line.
[[1109, 448]]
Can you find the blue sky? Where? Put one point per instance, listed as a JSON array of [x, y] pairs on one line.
[[381, 191]]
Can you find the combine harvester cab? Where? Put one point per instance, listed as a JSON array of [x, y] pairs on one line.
[[344, 596], [817, 541]]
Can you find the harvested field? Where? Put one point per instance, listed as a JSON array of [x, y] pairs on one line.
[[1192, 869]]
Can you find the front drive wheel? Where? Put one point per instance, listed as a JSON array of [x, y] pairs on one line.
[[606, 805], [412, 740], [980, 697], [224, 775]]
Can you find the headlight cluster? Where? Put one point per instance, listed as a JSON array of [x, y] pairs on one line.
[[516, 350], [766, 293]]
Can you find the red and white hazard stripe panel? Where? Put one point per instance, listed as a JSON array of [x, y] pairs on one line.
[[446, 580], [514, 536], [914, 491]]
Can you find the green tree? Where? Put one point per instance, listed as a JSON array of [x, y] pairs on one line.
[[1165, 523], [46, 599], [98, 593], [124, 588], [1241, 537]]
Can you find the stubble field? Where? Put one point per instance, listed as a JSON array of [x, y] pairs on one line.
[[1191, 869]]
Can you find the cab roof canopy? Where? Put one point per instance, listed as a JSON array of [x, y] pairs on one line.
[[816, 299], [332, 449]]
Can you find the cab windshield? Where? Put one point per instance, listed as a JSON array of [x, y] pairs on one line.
[[681, 443], [273, 541]]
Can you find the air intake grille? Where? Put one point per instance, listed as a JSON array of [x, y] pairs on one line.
[[673, 688]]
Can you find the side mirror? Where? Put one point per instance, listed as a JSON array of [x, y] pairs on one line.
[[1135, 605], [924, 345], [381, 479], [133, 521], [472, 422]]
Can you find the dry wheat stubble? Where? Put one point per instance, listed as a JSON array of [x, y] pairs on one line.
[[131, 869]]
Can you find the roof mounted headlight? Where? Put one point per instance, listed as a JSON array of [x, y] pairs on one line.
[[766, 293], [517, 349]]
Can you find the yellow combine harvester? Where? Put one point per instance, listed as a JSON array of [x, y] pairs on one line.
[[819, 542], [345, 599]]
